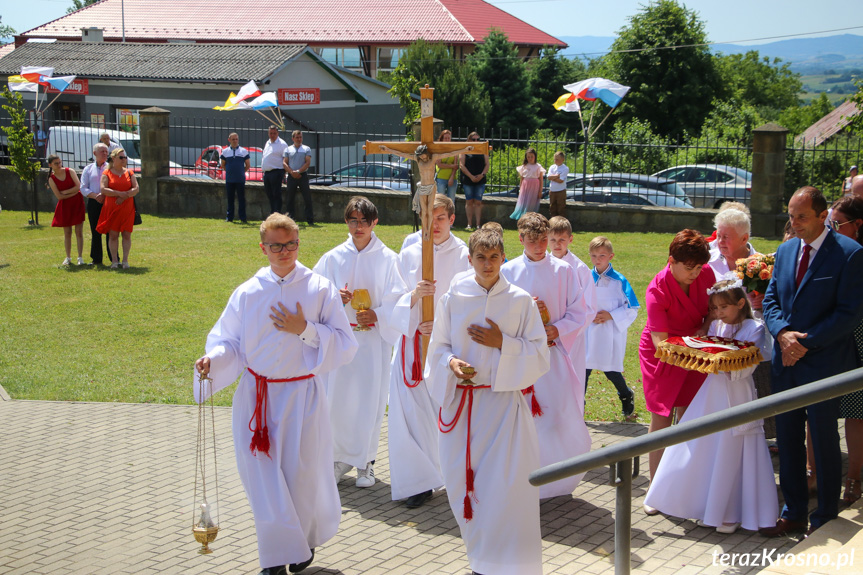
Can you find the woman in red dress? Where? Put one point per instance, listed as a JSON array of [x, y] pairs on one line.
[[677, 304], [70, 210], [118, 186]]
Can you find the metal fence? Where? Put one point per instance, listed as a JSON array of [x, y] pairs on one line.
[[698, 173]]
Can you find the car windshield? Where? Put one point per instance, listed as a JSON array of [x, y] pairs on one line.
[[255, 158], [132, 147], [740, 173]]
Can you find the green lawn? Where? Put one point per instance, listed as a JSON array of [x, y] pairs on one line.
[[94, 334]]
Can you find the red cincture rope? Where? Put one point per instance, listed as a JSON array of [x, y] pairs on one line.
[[447, 427], [260, 433], [535, 409], [367, 325], [416, 368]]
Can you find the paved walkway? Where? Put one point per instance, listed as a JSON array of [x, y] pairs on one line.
[[93, 488]]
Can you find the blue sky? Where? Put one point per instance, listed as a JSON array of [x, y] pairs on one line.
[[726, 20]]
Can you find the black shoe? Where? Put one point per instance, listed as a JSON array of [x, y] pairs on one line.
[[417, 500], [628, 403], [297, 567], [280, 570]]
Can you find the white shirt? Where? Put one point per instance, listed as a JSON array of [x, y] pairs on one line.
[[273, 154], [91, 179], [555, 170], [815, 245]]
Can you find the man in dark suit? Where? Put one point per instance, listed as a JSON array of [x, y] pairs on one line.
[[812, 305]]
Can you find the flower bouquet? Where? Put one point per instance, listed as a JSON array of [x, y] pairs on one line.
[[755, 272]]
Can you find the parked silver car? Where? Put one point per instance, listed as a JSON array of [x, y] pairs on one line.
[[711, 185], [646, 190], [394, 175]]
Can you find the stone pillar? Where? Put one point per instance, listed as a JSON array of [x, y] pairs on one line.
[[768, 179], [155, 157]]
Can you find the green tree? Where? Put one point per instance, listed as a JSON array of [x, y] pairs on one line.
[[5, 31], [856, 121], [671, 88], [78, 4], [769, 86], [504, 78], [19, 142], [731, 123], [458, 99], [548, 74]]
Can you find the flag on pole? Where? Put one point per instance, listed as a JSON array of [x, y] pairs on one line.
[[567, 103], [22, 84], [598, 89], [250, 90], [265, 100], [59, 83], [34, 73], [228, 105]]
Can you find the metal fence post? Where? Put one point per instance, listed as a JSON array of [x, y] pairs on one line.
[[623, 517]]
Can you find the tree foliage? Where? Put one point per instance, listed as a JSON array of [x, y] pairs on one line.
[[856, 122], [78, 4], [19, 139], [547, 75], [504, 79], [749, 79], [671, 88], [458, 97], [5, 31], [796, 119]]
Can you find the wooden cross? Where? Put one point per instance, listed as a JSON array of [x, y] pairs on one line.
[[426, 189]]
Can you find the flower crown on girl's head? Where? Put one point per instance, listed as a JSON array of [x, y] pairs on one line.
[[729, 281]]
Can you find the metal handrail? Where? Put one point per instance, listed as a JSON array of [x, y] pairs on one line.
[[620, 455]]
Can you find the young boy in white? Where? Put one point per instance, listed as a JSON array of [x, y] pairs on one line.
[[488, 442], [559, 240], [280, 332], [357, 391], [412, 416], [557, 399], [606, 336]]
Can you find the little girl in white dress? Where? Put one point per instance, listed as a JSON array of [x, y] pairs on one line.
[[725, 479]]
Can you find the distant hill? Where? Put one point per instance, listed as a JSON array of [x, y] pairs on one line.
[[804, 55]]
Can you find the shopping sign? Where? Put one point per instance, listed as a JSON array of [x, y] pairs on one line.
[[299, 96], [78, 86]]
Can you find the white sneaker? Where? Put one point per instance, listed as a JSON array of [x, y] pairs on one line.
[[648, 510], [366, 477], [66, 262], [80, 261], [340, 468]]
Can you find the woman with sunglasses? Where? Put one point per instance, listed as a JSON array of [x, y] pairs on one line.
[[118, 186], [846, 218]]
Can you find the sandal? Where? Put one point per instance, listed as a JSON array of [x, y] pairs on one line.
[[852, 491]]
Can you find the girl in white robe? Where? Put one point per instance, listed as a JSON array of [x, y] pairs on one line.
[[489, 428], [725, 479], [357, 391], [558, 394], [291, 489], [412, 416]]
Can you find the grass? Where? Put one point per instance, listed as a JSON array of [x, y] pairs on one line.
[[94, 334]]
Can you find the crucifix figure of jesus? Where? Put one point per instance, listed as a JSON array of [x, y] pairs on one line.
[[425, 153]]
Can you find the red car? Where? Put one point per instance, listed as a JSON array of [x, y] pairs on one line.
[[208, 163]]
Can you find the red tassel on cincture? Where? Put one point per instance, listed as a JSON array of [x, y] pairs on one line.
[[535, 409], [468, 508]]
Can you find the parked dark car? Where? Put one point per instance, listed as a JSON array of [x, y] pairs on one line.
[[711, 185], [390, 174]]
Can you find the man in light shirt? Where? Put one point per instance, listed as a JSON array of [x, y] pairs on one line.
[[274, 169], [91, 189], [297, 159]]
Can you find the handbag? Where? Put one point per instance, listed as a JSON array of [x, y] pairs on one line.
[[137, 221]]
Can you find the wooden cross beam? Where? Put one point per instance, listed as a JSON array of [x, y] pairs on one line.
[[426, 189]]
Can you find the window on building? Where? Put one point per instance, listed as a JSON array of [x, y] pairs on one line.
[[388, 58], [345, 57]]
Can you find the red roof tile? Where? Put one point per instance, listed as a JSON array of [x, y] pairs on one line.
[[322, 22]]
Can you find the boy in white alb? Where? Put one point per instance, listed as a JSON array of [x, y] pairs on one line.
[[557, 399], [606, 336], [557, 174], [488, 442], [559, 240], [281, 331], [357, 391], [412, 416]]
